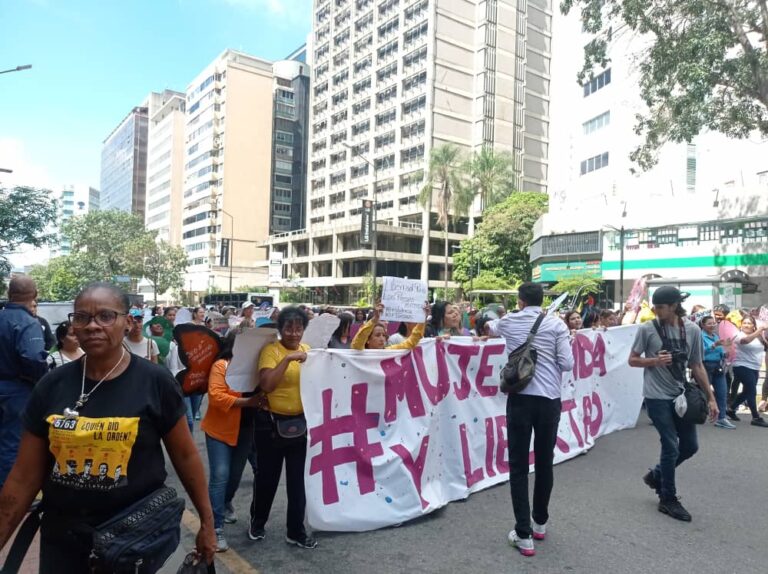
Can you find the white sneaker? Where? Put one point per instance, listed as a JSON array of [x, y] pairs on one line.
[[539, 530], [221, 542], [725, 424], [230, 517], [524, 545]]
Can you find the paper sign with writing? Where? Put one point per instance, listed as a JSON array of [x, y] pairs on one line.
[[403, 299], [198, 348], [183, 315], [319, 331], [242, 370]]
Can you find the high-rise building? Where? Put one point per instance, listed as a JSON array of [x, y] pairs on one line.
[[245, 166], [165, 164], [73, 200], [392, 80], [124, 164], [698, 215]]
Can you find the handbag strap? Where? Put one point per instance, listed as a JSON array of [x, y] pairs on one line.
[[534, 329], [22, 542]]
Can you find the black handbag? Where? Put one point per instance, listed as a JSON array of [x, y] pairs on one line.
[[698, 406], [289, 426], [521, 364], [194, 564], [142, 537]]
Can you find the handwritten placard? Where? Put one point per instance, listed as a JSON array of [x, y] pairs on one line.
[[198, 349], [319, 331], [241, 373], [403, 299]]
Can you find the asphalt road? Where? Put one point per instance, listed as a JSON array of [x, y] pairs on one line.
[[603, 520]]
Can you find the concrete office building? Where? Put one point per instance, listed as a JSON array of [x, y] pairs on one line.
[[393, 79], [241, 112], [165, 164], [124, 164], [73, 200], [699, 216]]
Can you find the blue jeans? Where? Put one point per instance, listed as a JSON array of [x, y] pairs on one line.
[[13, 400], [716, 376], [748, 378], [226, 464], [678, 443], [193, 407]]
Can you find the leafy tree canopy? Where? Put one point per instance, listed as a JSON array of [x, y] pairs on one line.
[[590, 284], [25, 216], [706, 67], [164, 265], [501, 242]]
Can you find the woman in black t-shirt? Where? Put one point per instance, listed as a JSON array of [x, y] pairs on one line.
[[94, 430]]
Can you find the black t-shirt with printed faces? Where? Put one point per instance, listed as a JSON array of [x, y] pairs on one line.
[[110, 456]]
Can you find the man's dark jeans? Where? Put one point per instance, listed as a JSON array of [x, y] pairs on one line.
[[540, 415], [678, 443]]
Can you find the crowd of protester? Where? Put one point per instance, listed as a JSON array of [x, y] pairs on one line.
[[106, 339]]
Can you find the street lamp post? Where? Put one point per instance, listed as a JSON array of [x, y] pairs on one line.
[[621, 233], [374, 238], [231, 250], [16, 69]]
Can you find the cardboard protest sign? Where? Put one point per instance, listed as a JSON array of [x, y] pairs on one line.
[[403, 299], [183, 315], [319, 331], [198, 349], [242, 370]]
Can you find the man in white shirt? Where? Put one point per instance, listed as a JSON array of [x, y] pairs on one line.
[[535, 409], [135, 341]]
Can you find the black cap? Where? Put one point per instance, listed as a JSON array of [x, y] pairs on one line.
[[668, 295]]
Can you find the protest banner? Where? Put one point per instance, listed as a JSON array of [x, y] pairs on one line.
[[241, 373], [198, 348], [394, 435], [403, 299]]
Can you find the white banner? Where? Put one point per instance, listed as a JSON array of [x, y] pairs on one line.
[[394, 435]]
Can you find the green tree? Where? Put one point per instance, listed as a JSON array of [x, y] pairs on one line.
[[444, 179], [706, 66], [584, 283], [164, 266], [491, 175], [114, 242], [25, 216], [61, 279], [501, 242]]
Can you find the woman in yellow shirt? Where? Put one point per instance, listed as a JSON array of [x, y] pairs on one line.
[[373, 334], [281, 430]]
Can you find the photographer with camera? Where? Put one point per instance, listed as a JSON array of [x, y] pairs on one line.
[[664, 348]]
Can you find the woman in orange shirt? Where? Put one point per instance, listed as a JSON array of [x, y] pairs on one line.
[[228, 428]]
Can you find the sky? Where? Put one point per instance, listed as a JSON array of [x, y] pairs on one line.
[[94, 60]]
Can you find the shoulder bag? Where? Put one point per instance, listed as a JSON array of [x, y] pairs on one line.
[[691, 405], [142, 537], [521, 364]]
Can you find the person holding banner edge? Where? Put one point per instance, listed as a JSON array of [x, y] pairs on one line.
[[534, 410], [664, 363], [280, 430]]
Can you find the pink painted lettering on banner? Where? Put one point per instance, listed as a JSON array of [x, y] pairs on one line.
[[415, 467], [489, 450], [472, 476], [502, 444], [361, 452], [435, 393], [588, 356], [568, 407], [592, 421], [485, 370], [465, 354], [400, 383]]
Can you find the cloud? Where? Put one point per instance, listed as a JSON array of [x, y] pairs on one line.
[[26, 171]]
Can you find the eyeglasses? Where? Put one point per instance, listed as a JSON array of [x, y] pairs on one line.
[[105, 318]]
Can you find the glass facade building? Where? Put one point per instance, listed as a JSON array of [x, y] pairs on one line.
[[124, 164]]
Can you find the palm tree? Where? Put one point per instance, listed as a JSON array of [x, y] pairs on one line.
[[452, 197], [491, 175]]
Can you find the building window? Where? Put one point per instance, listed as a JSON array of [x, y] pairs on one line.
[[361, 85], [386, 117], [387, 50], [709, 232], [385, 162], [338, 156], [284, 137], [339, 136], [385, 140], [358, 192], [340, 117], [597, 83], [363, 23], [384, 73], [360, 107], [386, 94], [363, 64], [338, 177], [318, 203], [319, 145], [412, 154], [415, 33], [414, 58], [594, 163], [414, 105], [341, 77], [415, 81], [596, 123], [362, 45], [361, 127], [762, 178], [388, 6], [388, 27], [756, 231], [415, 129], [359, 170], [340, 97], [690, 167]]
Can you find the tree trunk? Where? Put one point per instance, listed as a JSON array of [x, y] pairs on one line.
[[445, 294]]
